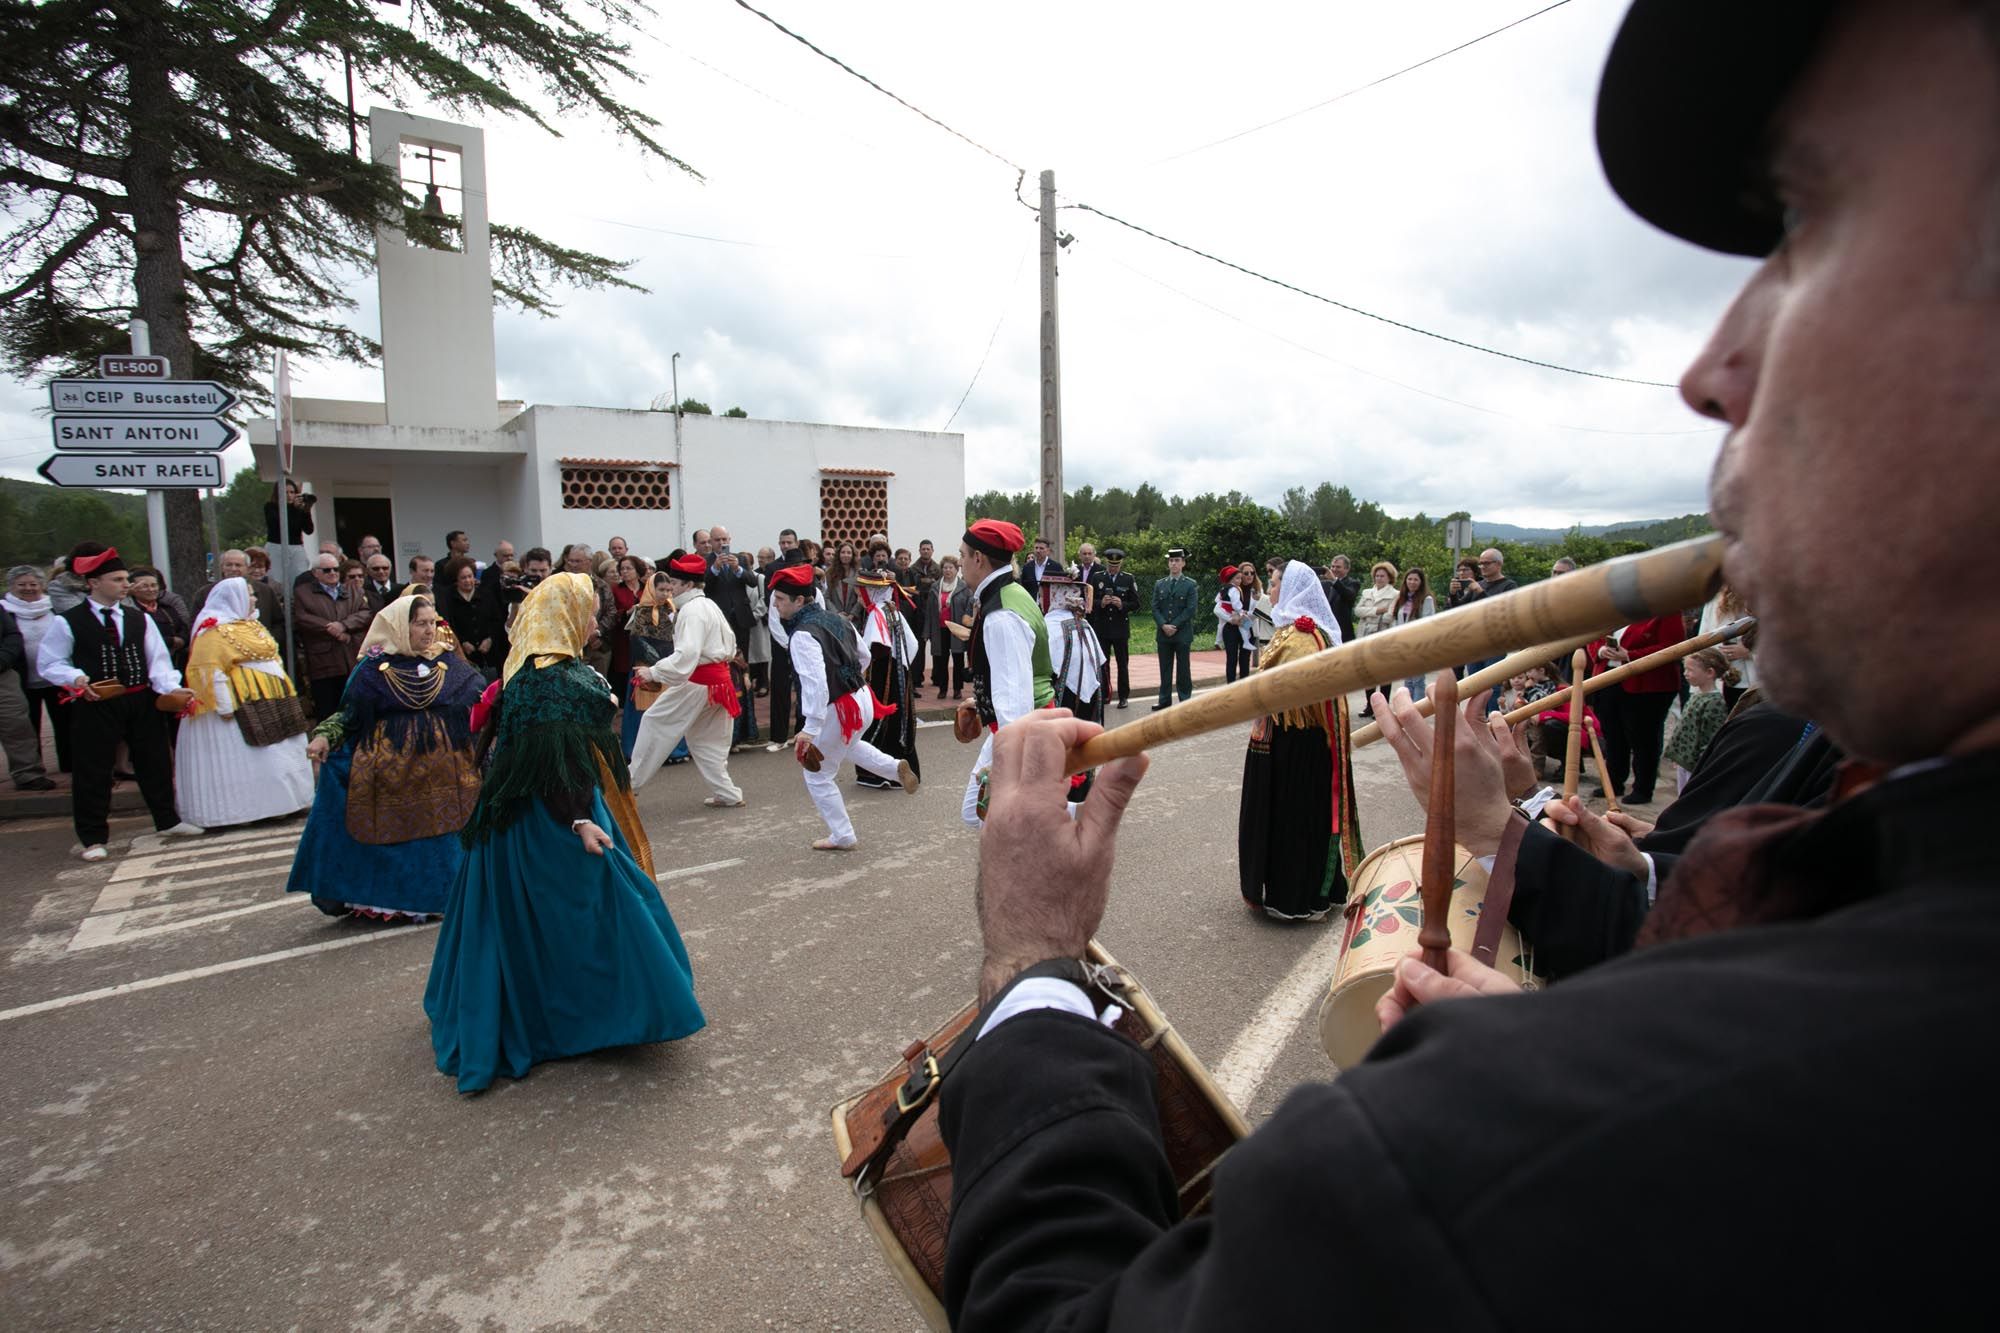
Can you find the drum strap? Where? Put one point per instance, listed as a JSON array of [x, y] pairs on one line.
[[1499, 893], [928, 1071]]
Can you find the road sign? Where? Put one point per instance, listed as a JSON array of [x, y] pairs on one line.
[[153, 398], [1458, 533], [134, 367], [152, 471], [182, 433]]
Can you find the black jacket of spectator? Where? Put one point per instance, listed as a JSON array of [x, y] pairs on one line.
[[1341, 594], [729, 584], [1576, 1158], [301, 519]]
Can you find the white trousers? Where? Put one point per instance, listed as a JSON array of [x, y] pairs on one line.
[[969, 808], [686, 710], [824, 786]]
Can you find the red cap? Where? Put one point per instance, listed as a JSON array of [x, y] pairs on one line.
[[995, 536], [794, 579], [1228, 573], [89, 563], [689, 566]]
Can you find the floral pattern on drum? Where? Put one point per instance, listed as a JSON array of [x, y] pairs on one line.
[[1388, 908]]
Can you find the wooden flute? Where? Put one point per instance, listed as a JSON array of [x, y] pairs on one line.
[[1617, 592]]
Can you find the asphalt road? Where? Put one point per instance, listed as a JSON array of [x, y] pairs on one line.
[[259, 1139]]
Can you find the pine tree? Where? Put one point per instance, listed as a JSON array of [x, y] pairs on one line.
[[193, 162]]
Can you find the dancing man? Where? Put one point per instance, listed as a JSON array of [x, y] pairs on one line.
[[889, 647], [700, 702], [115, 673], [838, 702], [1008, 651]]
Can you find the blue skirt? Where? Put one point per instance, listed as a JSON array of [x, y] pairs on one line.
[[628, 733], [548, 951], [342, 874]]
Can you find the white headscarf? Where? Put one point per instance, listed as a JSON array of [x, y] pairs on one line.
[[228, 600], [1299, 594]]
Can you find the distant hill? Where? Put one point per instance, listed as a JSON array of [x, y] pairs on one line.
[[1651, 530]]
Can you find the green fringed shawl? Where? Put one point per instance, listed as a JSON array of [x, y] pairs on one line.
[[554, 728]]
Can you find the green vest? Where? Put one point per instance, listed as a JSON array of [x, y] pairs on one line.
[[1015, 598]]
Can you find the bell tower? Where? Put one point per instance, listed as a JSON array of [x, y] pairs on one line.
[[437, 304]]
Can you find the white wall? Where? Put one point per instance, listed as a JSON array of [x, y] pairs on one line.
[[753, 476]]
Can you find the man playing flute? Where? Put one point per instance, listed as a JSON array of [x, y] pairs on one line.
[[1698, 1132]]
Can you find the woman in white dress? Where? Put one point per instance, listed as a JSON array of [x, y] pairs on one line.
[[220, 778]]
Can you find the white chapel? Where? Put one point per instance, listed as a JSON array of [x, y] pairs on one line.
[[442, 450]]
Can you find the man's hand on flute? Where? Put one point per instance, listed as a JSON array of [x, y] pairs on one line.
[[1597, 835], [1483, 751], [1044, 878]]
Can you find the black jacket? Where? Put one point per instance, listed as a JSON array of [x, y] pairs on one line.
[[13, 647], [1683, 1137]]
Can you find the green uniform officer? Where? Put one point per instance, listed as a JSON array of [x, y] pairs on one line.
[[1174, 599]]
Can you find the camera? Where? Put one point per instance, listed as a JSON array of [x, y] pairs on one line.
[[516, 587]]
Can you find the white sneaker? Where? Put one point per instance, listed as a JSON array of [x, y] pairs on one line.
[[96, 853], [773, 748], [183, 830]]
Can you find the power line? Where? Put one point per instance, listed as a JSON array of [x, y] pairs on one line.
[[998, 157], [1385, 379], [990, 339], [1369, 314], [1373, 83]]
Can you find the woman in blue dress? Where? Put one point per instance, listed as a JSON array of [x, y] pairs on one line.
[[555, 938], [397, 779]]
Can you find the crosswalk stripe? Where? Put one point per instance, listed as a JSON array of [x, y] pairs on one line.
[[213, 969]]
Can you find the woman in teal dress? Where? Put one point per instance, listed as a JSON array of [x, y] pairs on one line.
[[555, 939], [397, 779]]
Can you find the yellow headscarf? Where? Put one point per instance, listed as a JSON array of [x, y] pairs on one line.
[[553, 622], [389, 632]]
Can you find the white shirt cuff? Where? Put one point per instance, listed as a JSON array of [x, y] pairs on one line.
[[1046, 993], [1652, 878]]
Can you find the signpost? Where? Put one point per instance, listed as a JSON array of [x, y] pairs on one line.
[[180, 433], [161, 471], [139, 365], [139, 427], [157, 398]]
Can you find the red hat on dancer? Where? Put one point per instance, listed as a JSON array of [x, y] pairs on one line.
[[689, 566], [1228, 573], [996, 537], [794, 579], [91, 558]]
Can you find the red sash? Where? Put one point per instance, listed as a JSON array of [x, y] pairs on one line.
[[849, 712], [721, 689]]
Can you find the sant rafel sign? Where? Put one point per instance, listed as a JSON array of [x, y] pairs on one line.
[[140, 431]]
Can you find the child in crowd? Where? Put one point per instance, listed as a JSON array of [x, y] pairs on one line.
[[1704, 712]]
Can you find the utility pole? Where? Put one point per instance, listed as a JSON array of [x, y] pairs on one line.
[[680, 472], [1052, 528]]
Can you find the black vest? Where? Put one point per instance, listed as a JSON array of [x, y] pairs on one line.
[[93, 654]]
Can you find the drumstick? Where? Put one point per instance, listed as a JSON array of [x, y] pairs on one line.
[[1671, 653], [1573, 751], [1501, 671], [1597, 756], [1617, 592], [1440, 829]]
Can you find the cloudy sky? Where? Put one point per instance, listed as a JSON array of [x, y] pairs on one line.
[[858, 260]]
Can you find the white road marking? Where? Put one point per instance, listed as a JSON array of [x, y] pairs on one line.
[[685, 871], [145, 867], [98, 931], [1250, 1057], [213, 969], [120, 896]]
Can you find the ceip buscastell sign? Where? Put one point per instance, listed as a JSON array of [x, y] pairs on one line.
[[188, 398]]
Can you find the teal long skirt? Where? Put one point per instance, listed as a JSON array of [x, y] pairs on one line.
[[548, 951]]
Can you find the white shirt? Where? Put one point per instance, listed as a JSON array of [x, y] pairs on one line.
[[1230, 607], [1010, 658], [55, 667], [701, 635], [809, 665], [876, 629]]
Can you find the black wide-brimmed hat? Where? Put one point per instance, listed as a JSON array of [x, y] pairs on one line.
[[1684, 112]]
